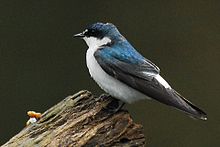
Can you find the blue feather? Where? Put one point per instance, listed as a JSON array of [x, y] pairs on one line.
[[123, 51]]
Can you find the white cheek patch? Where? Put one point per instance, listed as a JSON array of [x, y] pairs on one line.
[[93, 42]]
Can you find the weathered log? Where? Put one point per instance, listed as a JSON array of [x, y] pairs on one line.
[[81, 120]]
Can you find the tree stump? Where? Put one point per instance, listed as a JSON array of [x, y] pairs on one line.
[[81, 120]]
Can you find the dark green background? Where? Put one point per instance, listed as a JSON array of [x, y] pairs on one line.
[[40, 62]]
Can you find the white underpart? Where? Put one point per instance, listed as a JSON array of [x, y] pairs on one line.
[[109, 84]]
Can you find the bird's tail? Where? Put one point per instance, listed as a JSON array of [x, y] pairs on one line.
[[189, 108]]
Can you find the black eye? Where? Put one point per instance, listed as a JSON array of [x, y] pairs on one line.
[[91, 32]]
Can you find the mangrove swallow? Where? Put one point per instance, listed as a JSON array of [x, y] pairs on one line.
[[125, 74]]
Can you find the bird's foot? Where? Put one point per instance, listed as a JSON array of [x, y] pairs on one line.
[[115, 105]]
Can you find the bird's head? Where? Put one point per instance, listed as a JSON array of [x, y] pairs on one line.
[[99, 34]]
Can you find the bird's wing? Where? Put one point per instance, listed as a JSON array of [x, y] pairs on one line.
[[126, 54], [138, 75], [141, 76]]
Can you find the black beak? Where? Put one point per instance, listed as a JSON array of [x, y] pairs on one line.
[[80, 35]]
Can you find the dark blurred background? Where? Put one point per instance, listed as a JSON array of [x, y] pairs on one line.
[[40, 62]]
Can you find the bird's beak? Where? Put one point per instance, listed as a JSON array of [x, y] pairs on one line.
[[80, 35]]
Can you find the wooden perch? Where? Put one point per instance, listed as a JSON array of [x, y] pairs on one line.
[[81, 120]]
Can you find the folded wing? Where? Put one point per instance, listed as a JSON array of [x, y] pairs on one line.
[[139, 73]]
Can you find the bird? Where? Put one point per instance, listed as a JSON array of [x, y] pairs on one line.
[[122, 72]]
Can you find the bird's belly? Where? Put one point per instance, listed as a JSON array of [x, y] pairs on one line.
[[109, 84]]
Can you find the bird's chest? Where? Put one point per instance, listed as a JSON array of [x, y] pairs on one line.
[[105, 81], [109, 84], [95, 70]]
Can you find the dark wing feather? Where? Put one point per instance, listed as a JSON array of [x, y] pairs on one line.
[[134, 76]]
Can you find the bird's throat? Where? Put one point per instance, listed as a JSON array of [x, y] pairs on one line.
[[93, 42]]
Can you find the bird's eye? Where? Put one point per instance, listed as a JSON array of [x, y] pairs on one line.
[[89, 32], [92, 31]]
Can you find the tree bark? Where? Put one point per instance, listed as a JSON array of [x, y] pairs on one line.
[[81, 120]]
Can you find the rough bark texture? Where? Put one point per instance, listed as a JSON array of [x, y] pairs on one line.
[[81, 120]]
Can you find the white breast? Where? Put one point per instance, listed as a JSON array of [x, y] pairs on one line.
[[109, 84]]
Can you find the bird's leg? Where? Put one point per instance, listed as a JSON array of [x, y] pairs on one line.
[[121, 104], [115, 105]]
